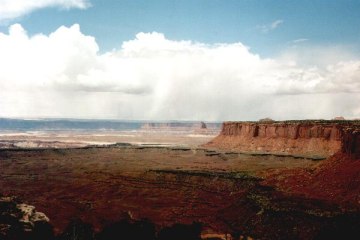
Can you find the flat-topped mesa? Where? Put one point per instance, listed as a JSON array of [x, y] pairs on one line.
[[308, 138]]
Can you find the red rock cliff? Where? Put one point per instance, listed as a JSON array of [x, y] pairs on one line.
[[305, 138]]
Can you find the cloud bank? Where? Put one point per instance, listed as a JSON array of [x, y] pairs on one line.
[[11, 9], [151, 77]]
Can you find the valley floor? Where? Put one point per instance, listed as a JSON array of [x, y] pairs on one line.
[[167, 182]]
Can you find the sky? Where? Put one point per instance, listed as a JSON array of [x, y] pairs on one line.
[[211, 60]]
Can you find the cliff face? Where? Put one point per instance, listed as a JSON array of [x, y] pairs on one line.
[[305, 138]]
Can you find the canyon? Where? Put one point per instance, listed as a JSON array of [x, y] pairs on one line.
[[255, 180]]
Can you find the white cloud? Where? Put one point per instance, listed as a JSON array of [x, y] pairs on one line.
[[300, 40], [11, 9], [276, 23], [150, 77], [270, 27]]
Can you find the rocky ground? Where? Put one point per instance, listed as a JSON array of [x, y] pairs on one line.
[[22, 221], [230, 194]]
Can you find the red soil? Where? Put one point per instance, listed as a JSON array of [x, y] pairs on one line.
[[337, 180]]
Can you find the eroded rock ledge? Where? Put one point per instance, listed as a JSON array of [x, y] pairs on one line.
[[309, 138], [22, 221]]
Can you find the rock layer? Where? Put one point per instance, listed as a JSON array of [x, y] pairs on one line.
[[305, 138]]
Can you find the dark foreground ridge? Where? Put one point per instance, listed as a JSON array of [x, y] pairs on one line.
[[259, 211], [19, 221]]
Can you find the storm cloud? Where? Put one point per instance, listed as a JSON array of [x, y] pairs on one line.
[[63, 74]]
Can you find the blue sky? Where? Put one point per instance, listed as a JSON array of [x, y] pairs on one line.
[[180, 60], [209, 21]]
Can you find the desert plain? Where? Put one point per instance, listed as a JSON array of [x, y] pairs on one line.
[[179, 177]]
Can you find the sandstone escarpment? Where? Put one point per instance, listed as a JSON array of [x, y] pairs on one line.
[[317, 139]]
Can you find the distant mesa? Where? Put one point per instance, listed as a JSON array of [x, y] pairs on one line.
[[266, 120], [191, 127], [339, 118]]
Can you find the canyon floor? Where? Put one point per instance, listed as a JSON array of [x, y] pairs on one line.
[[171, 179]]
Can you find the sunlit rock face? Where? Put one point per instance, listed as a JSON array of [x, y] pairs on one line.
[[305, 138]]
